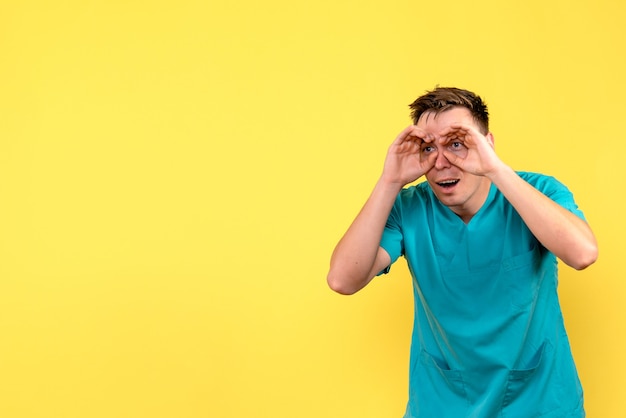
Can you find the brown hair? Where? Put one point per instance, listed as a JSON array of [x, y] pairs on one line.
[[444, 98]]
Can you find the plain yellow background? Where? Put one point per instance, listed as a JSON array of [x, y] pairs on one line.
[[175, 174]]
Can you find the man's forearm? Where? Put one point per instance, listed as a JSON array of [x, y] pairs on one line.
[[357, 253]]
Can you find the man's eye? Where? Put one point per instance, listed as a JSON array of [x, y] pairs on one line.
[[457, 144], [427, 149]]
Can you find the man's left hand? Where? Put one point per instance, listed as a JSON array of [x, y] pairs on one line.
[[468, 149]]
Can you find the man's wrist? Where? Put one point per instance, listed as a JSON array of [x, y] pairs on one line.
[[500, 173], [390, 185]]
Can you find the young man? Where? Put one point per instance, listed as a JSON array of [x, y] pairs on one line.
[[481, 242]]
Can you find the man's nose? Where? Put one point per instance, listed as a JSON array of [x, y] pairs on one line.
[[441, 161]]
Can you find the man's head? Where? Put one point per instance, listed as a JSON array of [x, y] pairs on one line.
[[435, 112], [444, 98]]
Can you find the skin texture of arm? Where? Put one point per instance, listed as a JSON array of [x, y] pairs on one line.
[[358, 257], [560, 231]]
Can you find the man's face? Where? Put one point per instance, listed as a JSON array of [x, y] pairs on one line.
[[462, 192]]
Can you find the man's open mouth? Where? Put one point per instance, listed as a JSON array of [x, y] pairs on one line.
[[447, 183]]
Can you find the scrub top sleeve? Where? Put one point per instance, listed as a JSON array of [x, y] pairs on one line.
[[560, 194], [391, 240]]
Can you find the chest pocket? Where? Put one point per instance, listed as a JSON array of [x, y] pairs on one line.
[[521, 275]]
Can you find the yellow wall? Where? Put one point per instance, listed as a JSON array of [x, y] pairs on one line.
[[174, 176]]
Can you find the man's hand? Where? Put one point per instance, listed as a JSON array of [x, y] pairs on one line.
[[358, 256], [405, 162], [468, 149]]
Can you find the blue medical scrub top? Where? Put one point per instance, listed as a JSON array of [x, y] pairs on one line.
[[488, 336]]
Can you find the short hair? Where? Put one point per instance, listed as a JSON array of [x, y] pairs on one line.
[[444, 98]]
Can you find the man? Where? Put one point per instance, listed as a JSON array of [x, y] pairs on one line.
[[481, 242]]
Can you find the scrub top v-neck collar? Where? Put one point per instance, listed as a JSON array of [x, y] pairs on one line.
[[455, 220]]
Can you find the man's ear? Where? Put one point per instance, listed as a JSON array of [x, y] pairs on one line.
[[491, 139]]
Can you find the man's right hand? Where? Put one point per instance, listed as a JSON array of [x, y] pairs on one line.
[[358, 256], [405, 162]]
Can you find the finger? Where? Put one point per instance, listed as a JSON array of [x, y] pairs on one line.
[[420, 135], [455, 160], [430, 161], [461, 126], [402, 136], [454, 131], [469, 137], [430, 138], [418, 131]]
